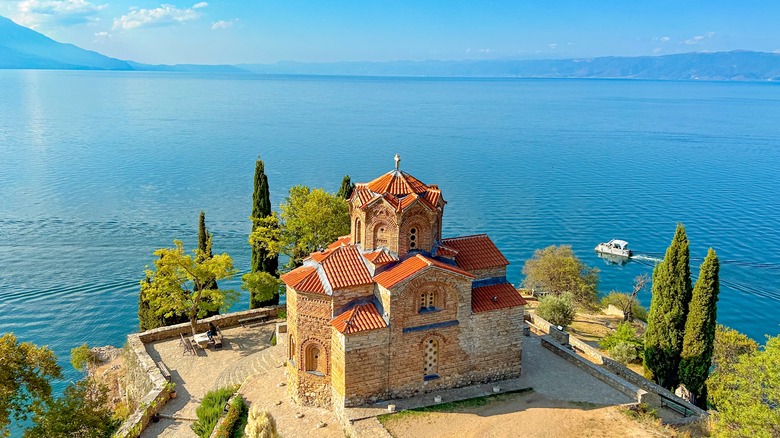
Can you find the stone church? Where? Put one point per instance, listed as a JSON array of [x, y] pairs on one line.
[[394, 309]]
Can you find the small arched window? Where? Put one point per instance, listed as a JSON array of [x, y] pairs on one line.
[[292, 349], [314, 360], [413, 238], [357, 230], [431, 359]]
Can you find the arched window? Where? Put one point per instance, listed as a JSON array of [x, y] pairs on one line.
[[357, 231], [429, 301], [413, 238], [315, 362], [380, 235], [292, 349], [431, 358]]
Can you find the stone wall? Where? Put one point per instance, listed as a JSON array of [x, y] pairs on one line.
[[489, 272], [622, 385], [363, 376], [494, 344], [221, 321], [144, 386]]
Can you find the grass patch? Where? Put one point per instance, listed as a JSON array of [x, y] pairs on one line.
[[469, 403], [211, 409]]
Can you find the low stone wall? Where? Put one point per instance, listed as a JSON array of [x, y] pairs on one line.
[[622, 385], [586, 349], [638, 380], [144, 382], [221, 321], [560, 336]]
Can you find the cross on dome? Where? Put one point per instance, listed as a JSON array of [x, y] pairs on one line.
[[397, 161]]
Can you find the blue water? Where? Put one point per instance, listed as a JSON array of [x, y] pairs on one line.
[[98, 169]]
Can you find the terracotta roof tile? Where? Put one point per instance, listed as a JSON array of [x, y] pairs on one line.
[[411, 266], [497, 296], [397, 183], [360, 318], [341, 241], [442, 250], [304, 279], [344, 267], [380, 257], [476, 252]]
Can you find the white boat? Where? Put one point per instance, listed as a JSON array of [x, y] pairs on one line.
[[614, 247]]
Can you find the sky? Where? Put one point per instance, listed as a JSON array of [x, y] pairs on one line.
[[267, 31]]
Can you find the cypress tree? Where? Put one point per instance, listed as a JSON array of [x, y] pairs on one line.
[[700, 326], [204, 245], [261, 207], [671, 294], [346, 188]]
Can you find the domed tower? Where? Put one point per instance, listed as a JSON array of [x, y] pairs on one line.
[[396, 211]]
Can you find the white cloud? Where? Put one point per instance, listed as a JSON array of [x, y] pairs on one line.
[[484, 50], [657, 50], [222, 24], [553, 46], [698, 38], [62, 12], [101, 37], [164, 15]]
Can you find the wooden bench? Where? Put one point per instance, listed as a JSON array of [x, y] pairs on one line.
[[253, 319], [164, 370], [188, 347]]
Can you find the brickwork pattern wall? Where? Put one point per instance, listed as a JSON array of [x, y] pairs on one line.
[[494, 344], [489, 272]]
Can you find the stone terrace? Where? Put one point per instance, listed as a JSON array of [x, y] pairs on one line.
[[248, 359]]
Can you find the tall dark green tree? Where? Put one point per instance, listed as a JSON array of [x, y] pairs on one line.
[[700, 326], [204, 245], [346, 188], [262, 259], [668, 311]]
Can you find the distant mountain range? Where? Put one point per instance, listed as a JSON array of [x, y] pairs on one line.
[[24, 48]]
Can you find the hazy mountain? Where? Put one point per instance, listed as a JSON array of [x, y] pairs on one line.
[[725, 66], [24, 48]]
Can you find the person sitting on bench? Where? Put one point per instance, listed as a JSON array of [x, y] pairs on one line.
[[212, 332]]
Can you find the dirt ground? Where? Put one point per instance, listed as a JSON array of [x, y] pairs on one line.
[[526, 415]]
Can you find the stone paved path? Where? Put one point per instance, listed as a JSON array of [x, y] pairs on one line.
[[246, 352]]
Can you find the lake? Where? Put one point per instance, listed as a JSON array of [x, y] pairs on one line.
[[99, 169]]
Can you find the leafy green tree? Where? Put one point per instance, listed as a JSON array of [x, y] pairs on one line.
[[262, 260], [558, 310], [309, 221], [557, 270], [25, 372], [81, 357], [346, 189], [699, 340], [729, 346], [668, 311], [622, 301], [83, 411], [262, 287], [177, 284], [623, 333], [746, 394]]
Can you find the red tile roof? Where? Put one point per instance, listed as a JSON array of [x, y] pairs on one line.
[[497, 296], [304, 279], [380, 257], [344, 267], [476, 252], [341, 241], [360, 318], [445, 251], [399, 189], [411, 266]]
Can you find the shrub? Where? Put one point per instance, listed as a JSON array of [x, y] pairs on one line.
[[81, 357], [210, 410], [260, 424], [619, 300], [237, 410], [624, 352], [623, 334], [558, 310]]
